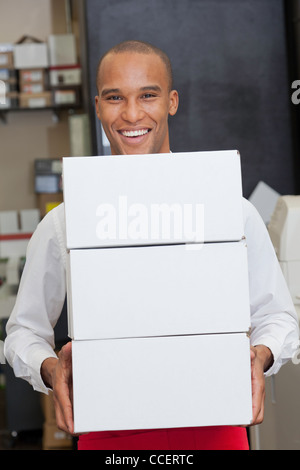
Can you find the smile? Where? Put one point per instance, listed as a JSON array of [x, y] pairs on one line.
[[136, 133]]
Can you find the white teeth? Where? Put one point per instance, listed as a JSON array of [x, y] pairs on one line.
[[135, 133]]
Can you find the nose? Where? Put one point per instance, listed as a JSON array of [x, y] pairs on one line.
[[132, 111]]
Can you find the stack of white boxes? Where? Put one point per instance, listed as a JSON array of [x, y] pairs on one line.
[[158, 297]]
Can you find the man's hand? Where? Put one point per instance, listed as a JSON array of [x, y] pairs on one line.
[[57, 374], [261, 360]]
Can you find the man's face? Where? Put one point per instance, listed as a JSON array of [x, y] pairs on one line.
[[134, 102]]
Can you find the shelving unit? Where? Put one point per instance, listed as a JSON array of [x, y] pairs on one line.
[[55, 110]]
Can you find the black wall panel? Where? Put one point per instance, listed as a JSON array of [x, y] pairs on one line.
[[230, 65]]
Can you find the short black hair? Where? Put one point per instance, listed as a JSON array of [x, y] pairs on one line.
[[140, 47]]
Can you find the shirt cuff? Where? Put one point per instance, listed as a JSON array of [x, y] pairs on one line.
[[275, 349], [37, 359]]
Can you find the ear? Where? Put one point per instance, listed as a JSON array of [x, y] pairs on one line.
[[97, 106], [174, 102]]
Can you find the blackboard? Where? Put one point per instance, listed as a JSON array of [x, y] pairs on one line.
[[230, 66]]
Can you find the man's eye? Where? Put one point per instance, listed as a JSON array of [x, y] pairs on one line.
[[114, 98], [148, 95]]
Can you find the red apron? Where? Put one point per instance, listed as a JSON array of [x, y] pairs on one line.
[[206, 438]]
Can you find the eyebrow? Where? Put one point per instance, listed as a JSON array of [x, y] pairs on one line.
[[151, 88], [108, 91]]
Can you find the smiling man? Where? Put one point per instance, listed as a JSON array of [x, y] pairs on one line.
[[135, 99]]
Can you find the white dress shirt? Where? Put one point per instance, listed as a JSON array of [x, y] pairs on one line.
[[42, 291]]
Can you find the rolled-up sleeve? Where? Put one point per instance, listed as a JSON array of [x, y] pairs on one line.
[[274, 321], [40, 299]]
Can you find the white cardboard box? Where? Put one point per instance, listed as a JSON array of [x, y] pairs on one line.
[[158, 290], [167, 382], [9, 222], [62, 49], [60, 76], [126, 200], [32, 55]]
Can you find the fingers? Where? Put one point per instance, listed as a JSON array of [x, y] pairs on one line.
[[65, 356], [258, 399], [63, 409], [64, 416], [258, 388]]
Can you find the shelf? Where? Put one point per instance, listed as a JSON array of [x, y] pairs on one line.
[[54, 109]]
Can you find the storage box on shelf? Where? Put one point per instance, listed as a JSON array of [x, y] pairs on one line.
[[47, 175], [33, 88], [65, 75], [48, 186], [32, 61], [6, 56], [62, 50], [35, 100], [32, 80], [8, 76], [30, 55], [67, 96]]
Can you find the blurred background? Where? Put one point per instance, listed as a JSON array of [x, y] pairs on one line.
[[236, 66]]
